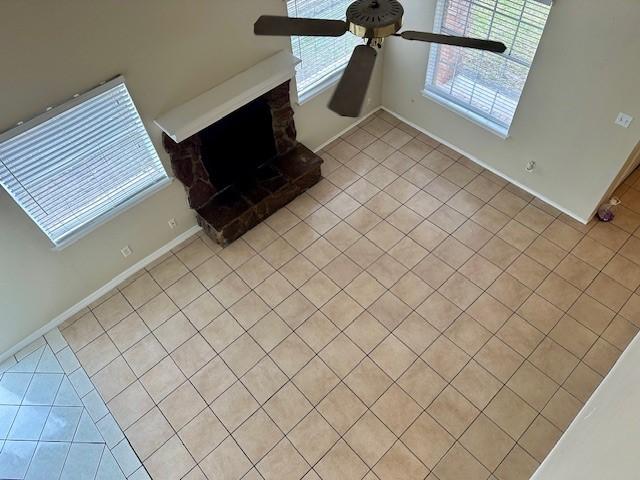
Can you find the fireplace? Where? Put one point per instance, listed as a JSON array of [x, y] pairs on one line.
[[226, 152], [242, 168]]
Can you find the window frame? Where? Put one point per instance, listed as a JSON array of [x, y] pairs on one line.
[[467, 111], [100, 219], [323, 84], [319, 87]]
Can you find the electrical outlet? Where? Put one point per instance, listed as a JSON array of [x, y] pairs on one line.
[[126, 251], [172, 223], [624, 120]]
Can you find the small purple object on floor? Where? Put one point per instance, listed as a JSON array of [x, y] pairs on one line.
[[605, 212]]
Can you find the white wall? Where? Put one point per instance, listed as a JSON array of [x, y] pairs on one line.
[[169, 51], [585, 72], [602, 442]]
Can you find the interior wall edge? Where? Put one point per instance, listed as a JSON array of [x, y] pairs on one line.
[[609, 398], [345, 130], [630, 165], [117, 280], [497, 172]]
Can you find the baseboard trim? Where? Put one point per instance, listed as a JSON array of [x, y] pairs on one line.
[[342, 132], [490, 168], [117, 280]]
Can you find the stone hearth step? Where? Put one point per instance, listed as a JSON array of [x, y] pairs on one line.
[[242, 206]]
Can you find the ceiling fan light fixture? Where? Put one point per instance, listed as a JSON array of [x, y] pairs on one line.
[[374, 18]]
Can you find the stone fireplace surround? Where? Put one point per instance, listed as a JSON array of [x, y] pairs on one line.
[[225, 212]]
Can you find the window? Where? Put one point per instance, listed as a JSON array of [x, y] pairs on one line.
[[323, 58], [486, 86], [75, 166]]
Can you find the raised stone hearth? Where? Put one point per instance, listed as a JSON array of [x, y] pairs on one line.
[[246, 166]]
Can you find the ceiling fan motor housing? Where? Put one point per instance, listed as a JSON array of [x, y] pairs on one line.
[[374, 18]]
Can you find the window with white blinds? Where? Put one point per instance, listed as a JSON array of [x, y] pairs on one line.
[[79, 163], [323, 58], [486, 86]]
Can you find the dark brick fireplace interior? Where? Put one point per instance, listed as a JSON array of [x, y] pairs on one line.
[[227, 139], [244, 167]]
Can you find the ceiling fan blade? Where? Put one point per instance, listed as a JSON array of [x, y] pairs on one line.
[[289, 26], [349, 96], [489, 45]]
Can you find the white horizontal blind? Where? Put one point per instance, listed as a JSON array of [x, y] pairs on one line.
[[322, 57], [486, 84], [80, 161]]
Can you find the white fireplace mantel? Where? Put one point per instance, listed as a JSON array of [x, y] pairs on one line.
[[206, 109]]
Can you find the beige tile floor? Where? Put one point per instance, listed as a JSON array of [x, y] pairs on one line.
[[413, 316]]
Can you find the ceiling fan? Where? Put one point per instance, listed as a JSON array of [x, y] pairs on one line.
[[373, 20]]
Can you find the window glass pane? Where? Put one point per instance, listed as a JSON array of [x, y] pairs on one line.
[[80, 161], [321, 57], [483, 83]]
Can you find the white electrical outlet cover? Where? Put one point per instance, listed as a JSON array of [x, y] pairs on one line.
[[624, 120], [126, 251]]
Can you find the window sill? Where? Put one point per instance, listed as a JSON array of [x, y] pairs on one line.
[[497, 130], [319, 88], [101, 220]]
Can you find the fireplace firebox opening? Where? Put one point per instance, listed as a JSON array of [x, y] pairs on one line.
[[241, 141]]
